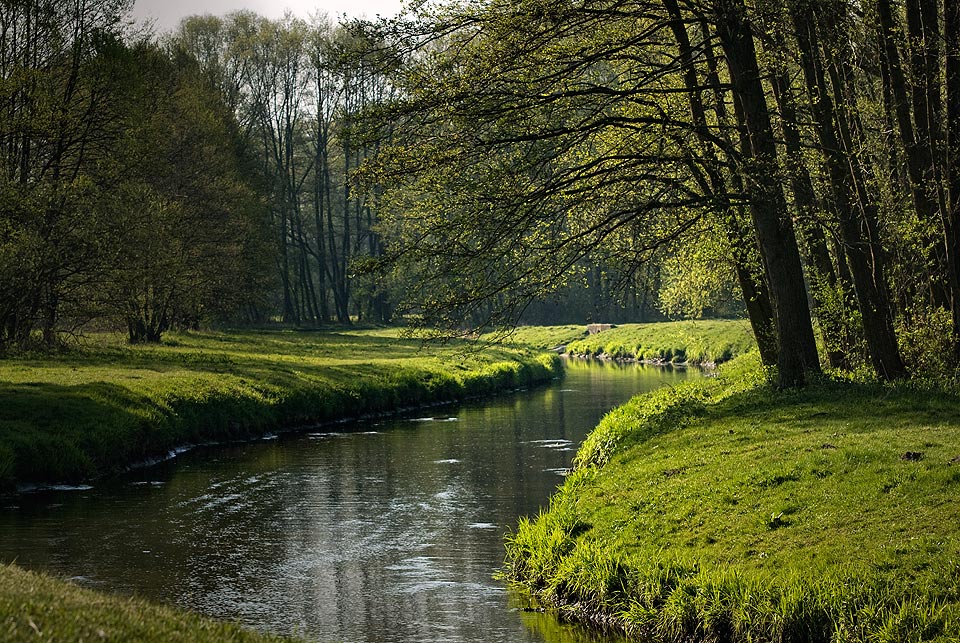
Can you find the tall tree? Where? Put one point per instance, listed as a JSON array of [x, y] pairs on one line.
[[59, 64], [185, 219], [774, 228], [951, 12], [840, 141]]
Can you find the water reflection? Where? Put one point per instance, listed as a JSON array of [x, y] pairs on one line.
[[387, 532]]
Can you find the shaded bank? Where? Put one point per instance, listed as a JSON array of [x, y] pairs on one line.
[[37, 607], [724, 510], [103, 407]]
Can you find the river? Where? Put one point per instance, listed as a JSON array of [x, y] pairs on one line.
[[383, 531]]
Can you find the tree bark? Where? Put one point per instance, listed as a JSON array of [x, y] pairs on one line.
[[855, 209], [768, 207], [819, 265], [752, 286], [951, 12]]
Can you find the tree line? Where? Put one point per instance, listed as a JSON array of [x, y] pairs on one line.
[[478, 163], [816, 142], [156, 182]]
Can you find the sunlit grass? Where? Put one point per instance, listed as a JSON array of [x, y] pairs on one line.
[[106, 404], [726, 510], [35, 607], [695, 341], [546, 337]]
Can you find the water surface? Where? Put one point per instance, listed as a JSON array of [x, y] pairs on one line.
[[382, 531]]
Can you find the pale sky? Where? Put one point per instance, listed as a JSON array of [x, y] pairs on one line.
[[166, 14]]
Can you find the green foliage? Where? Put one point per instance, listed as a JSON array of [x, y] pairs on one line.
[[188, 227], [928, 344], [698, 277], [503, 185], [37, 607], [725, 510], [123, 192], [105, 405]]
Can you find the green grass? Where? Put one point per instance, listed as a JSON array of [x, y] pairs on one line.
[[724, 510], [545, 337], [695, 342], [36, 607], [104, 405]]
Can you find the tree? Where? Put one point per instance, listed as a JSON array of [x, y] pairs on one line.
[[186, 221], [297, 88], [59, 63], [542, 149]]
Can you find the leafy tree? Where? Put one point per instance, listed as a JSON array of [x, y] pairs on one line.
[[187, 222], [536, 136], [297, 88], [59, 118]]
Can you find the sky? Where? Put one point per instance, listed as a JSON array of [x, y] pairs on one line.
[[166, 14]]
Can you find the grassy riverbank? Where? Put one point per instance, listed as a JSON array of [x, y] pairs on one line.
[[105, 404], [35, 607], [695, 341], [724, 510]]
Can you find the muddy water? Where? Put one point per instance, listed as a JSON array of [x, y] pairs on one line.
[[383, 531]]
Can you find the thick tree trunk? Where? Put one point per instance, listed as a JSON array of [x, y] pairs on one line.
[[951, 12], [819, 265], [856, 211], [752, 286], [768, 207]]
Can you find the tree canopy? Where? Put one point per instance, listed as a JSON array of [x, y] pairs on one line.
[[531, 135], [472, 164]]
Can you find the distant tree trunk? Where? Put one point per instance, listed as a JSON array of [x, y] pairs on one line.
[[318, 202], [778, 244]]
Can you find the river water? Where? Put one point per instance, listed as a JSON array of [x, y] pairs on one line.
[[381, 531]]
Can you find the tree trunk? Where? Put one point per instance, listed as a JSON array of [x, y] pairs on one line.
[[855, 209], [768, 207], [819, 265], [921, 134], [951, 12], [753, 288]]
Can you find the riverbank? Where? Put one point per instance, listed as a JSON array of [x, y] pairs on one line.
[[724, 510], [696, 342], [105, 405], [37, 607]]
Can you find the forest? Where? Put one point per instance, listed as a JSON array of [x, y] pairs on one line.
[[473, 165]]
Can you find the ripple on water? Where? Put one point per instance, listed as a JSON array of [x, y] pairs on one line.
[[481, 525], [556, 445]]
